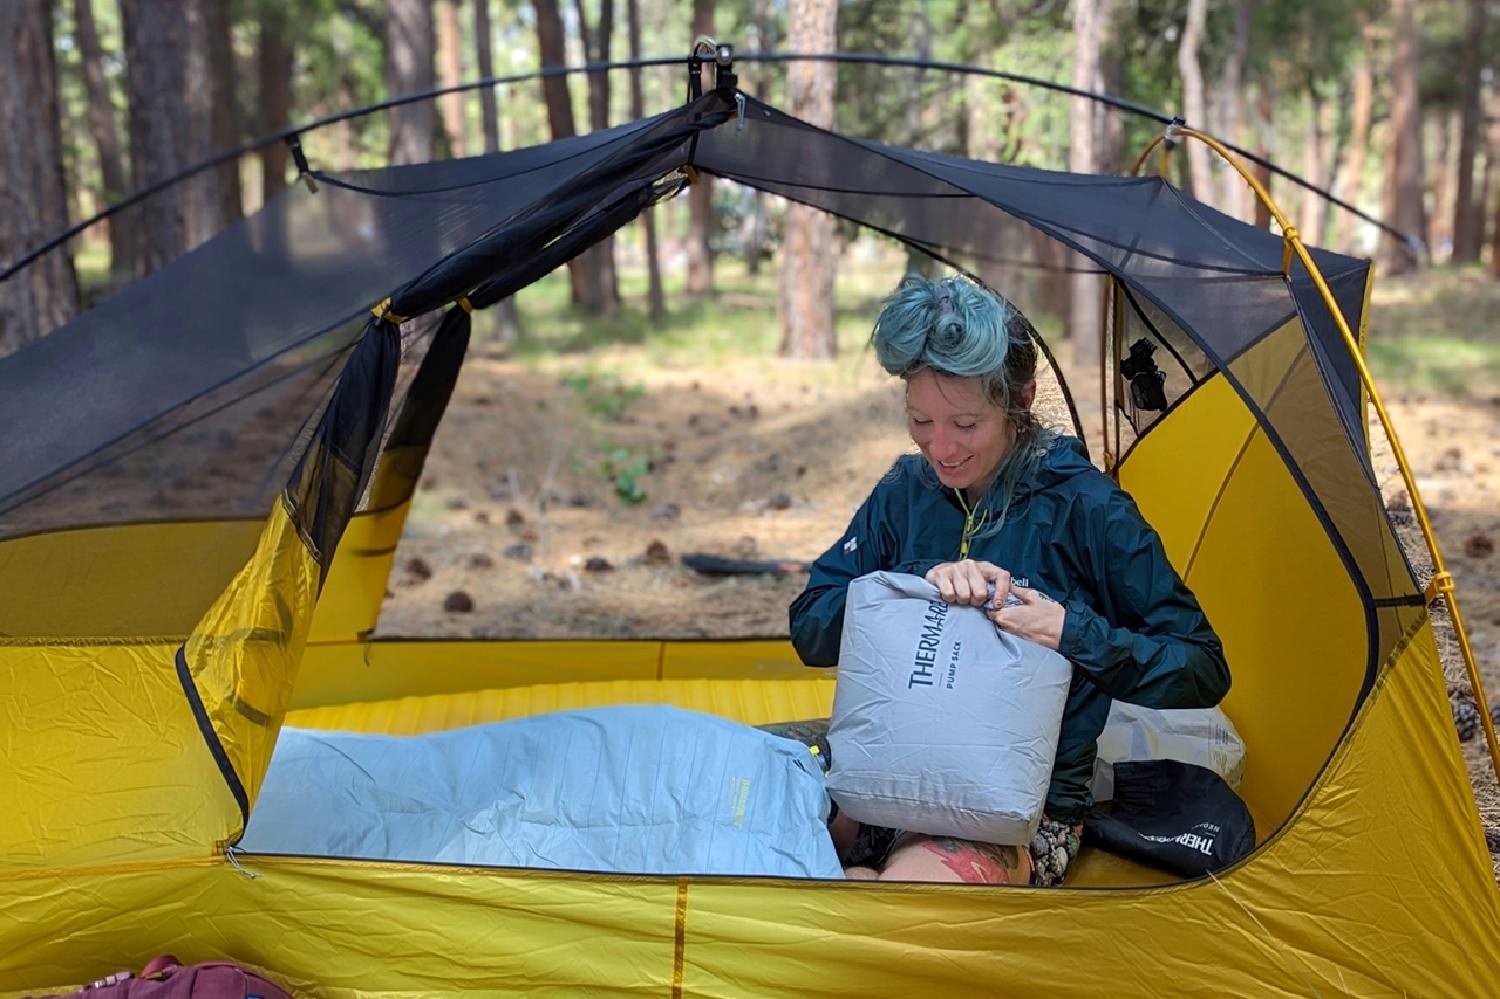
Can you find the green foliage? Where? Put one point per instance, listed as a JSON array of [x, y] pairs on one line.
[[1436, 333], [625, 468], [605, 397]]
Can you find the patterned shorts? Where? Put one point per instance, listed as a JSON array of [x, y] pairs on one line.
[[1052, 850]]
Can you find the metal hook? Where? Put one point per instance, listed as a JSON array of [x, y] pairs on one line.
[[229, 852]]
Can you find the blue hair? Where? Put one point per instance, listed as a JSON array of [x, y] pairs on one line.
[[952, 326]]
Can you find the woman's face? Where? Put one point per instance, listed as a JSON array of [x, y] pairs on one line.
[[963, 435]]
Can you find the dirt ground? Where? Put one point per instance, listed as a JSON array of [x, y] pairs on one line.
[[520, 529]]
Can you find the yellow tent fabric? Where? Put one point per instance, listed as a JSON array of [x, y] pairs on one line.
[[1340, 901]]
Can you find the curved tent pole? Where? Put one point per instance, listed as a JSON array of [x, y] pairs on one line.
[[1442, 579], [292, 134], [963, 69]]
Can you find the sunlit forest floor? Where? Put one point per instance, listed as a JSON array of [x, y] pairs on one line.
[[576, 465]]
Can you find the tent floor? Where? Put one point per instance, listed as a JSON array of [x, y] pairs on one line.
[[753, 702]]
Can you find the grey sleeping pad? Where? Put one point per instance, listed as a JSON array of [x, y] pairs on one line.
[[942, 723]]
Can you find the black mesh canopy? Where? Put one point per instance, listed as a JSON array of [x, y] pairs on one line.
[[185, 395], [193, 394]]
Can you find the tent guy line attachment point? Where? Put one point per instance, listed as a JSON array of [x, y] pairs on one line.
[[229, 855]]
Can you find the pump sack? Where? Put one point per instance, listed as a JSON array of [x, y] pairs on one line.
[[942, 724]]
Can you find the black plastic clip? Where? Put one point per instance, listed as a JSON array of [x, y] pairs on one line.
[[724, 75], [304, 172]]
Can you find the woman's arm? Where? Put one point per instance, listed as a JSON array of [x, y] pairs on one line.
[[1162, 652], [870, 543]]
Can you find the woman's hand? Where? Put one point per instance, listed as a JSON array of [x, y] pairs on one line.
[[968, 581], [1037, 618]]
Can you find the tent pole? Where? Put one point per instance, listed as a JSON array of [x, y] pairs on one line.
[[1442, 579]]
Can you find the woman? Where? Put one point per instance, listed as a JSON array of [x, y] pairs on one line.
[[994, 497]]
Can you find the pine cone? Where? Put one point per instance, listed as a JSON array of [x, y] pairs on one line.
[[1466, 719]]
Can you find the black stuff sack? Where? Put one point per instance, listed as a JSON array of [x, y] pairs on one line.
[[1176, 816]]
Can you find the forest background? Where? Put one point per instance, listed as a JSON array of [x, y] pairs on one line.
[[708, 358]]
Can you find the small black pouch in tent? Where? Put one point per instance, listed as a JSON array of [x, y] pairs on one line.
[[1173, 815]]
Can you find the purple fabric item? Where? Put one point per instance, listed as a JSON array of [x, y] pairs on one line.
[[165, 978]]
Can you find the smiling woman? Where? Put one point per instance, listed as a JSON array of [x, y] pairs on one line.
[[1002, 512]]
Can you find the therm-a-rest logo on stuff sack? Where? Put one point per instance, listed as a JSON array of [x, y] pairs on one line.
[[924, 660]]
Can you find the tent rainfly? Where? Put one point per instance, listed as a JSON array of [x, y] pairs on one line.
[[205, 478]]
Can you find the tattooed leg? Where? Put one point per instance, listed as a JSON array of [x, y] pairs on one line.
[[943, 858]]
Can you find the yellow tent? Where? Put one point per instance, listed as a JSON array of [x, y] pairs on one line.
[[206, 477]]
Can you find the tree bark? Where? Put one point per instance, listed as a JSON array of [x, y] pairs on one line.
[[157, 45], [1110, 134], [484, 58], [451, 60], [104, 129], [1441, 124], [1488, 188], [1265, 108], [211, 198], [273, 62], [225, 196], [1194, 105], [507, 315], [1359, 136], [1084, 315], [33, 194], [583, 271], [409, 45], [1468, 213], [656, 302], [1237, 193], [1402, 201], [808, 262], [596, 49], [1315, 168], [700, 253]]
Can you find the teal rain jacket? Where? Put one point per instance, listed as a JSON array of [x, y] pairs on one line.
[[1133, 630]]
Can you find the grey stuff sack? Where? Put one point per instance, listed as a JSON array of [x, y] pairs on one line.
[[942, 724]]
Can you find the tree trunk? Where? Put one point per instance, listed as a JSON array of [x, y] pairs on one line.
[[507, 316], [1109, 152], [1442, 123], [273, 61], [212, 198], [1494, 268], [451, 60], [583, 271], [1468, 213], [1265, 109], [596, 49], [1488, 189], [808, 262], [157, 44], [104, 130], [1194, 106], [484, 58], [1314, 212], [409, 45], [1237, 194], [656, 302], [700, 253], [226, 199], [33, 197], [1084, 316], [1402, 202], [1359, 137]]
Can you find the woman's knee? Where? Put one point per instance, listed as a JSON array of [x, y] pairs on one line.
[[943, 858]]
